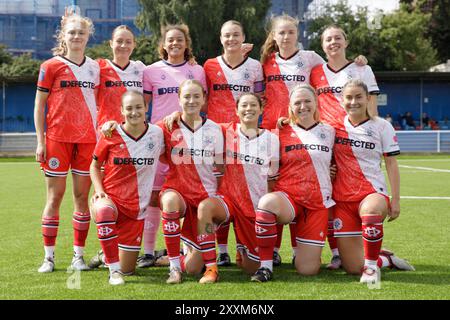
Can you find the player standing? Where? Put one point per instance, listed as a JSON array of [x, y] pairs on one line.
[[122, 193], [360, 190], [251, 157], [193, 149], [303, 188], [228, 77], [161, 82], [117, 76], [67, 84]]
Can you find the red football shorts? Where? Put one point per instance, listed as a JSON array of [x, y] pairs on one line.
[[64, 155]]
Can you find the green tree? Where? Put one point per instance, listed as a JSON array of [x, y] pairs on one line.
[[204, 19], [394, 41], [21, 66], [439, 27], [5, 56]]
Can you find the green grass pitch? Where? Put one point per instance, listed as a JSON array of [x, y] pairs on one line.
[[420, 235]]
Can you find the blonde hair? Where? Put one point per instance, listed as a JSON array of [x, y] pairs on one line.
[[270, 46], [307, 87], [233, 22], [360, 84], [332, 26], [188, 82], [122, 27], [61, 46], [188, 54]]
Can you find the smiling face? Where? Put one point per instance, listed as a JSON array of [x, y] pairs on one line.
[[175, 44], [355, 101], [334, 42], [122, 44], [232, 37], [192, 99], [249, 109], [285, 34], [133, 109], [302, 106], [76, 35]]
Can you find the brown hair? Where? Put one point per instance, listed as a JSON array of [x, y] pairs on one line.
[[306, 87], [270, 46], [132, 93], [258, 98], [358, 83], [188, 54], [61, 46]]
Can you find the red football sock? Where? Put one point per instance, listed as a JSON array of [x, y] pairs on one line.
[[208, 248], [107, 233], [372, 232], [293, 231], [171, 231], [332, 241], [50, 230], [80, 224], [266, 233], [280, 228], [222, 233]]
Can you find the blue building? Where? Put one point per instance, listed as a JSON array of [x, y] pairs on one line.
[[29, 25]]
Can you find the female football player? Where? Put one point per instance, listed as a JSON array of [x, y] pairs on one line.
[[66, 85], [122, 192], [360, 190], [194, 149], [302, 192], [251, 157]]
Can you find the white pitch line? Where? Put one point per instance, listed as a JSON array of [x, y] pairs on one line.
[[424, 168], [423, 160], [425, 198]]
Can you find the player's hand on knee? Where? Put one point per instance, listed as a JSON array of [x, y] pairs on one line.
[[171, 119], [108, 127], [394, 211], [40, 153], [281, 122], [99, 195]]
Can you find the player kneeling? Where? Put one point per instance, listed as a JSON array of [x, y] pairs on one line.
[[122, 192]]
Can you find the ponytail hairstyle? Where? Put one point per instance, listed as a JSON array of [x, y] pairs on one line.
[[270, 46], [188, 54], [61, 46], [122, 27], [306, 87]]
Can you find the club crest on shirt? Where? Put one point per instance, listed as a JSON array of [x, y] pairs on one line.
[[150, 145], [163, 77], [91, 73], [246, 75], [136, 71], [323, 136], [300, 64], [337, 224], [208, 140], [369, 132], [190, 75], [53, 163]]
